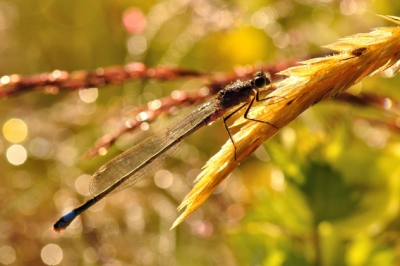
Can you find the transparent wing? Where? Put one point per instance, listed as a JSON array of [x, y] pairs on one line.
[[146, 157]]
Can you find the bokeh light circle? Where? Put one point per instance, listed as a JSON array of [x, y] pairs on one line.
[[15, 130], [16, 154], [51, 254], [7, 255]]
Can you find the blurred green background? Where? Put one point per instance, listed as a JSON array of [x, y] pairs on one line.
[[323, 191]]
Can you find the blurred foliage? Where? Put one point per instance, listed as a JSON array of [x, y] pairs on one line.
[[324, 191]]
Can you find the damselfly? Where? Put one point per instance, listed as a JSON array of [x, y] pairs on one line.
[[146, 157]]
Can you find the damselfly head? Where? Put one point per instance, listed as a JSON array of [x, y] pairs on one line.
[[261, 79]]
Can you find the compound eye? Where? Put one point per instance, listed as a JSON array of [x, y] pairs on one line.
[[260, 81]]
